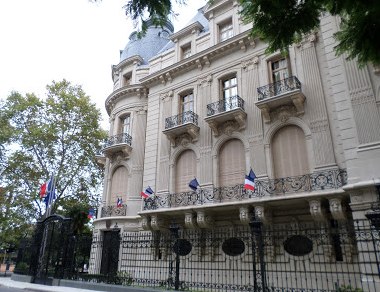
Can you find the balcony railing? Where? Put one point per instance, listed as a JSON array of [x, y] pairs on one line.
[[123, 138], [330, 179], [186, 117], [224, 105], [112, 211], [279, 87]]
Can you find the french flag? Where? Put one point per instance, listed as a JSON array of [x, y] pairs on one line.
[[119, 203], [43, 191], [193, 184], [148, 192], [46, 188], [249, 183]]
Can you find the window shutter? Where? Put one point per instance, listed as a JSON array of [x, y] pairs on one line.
[[232, 163], [289, 152], [119, 185], [186, 170]]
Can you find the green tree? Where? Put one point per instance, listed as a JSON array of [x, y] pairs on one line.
[[57, 135], [281, 23]]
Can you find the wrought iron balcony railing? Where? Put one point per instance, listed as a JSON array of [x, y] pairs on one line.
[[110, 211], [330, 179], [279, 87], [177, 120], [224, 105], [123, 138]]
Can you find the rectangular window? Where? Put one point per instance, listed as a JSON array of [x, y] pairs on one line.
[[187, 107], [186, 51], [229, 88], [127, 79], [226, 31], [279, 71], [125, 124]]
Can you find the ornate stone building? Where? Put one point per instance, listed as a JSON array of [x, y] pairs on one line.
[[207, 102]]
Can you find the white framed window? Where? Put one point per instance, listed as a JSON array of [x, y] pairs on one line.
[[186, 51], [279, 69], [226, 31], [125, 127], [229, 92], [187, 102], [127, 79]]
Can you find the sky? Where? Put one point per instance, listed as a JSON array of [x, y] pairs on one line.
[[76, 40]]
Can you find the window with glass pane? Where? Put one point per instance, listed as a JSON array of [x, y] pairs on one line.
[[226, 31], [126, 124], [229, 92], [279, 71], [187, 105], [186, 52]]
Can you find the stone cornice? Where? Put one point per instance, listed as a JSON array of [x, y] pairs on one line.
[[186, 31], [131, 60], [136, 89], [201, 59]]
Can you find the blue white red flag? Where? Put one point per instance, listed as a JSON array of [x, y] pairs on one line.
[[148, 192], [119, 202], [49, 194], [91, 213], [194, 185], [249, 183]]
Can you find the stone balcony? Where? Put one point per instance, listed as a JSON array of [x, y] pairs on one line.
[[266, 189], [226, 115], [281, 93], [182, 128], [119, 143]]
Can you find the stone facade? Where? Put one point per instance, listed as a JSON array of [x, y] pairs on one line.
[[307, 123]]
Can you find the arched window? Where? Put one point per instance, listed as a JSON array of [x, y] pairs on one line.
[[231, 163], [186, 170], [119, 185], [289, 152]]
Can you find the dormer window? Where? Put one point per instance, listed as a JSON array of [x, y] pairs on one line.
[[127, 79], [226, 30], [186, 51]]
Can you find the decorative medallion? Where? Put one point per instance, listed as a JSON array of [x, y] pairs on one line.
[[298, 245], [233, 246]]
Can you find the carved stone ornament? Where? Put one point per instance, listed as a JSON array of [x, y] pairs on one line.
[[205, 81], [244, 214], [190, 220], [262, 214], [158, 223], [183, 140], [283, 113], [317, 211], [167, 96], [204, 220], [336, 209], [145, 223], [250, 63]]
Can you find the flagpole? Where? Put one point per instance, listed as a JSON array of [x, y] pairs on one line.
[[51, 194]]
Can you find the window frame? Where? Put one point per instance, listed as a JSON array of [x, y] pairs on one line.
[[225, 30]]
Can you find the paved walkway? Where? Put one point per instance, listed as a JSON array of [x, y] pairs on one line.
[[7, 282]]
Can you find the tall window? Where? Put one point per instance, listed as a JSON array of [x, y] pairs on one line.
[[127, 79], [125, 124], [230, 91], [186, 170], [279, 69], [119, 185], [231, 163], [187, 102], [226, 31], [289, 152]]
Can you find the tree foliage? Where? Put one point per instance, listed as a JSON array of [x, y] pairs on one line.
[[57, 135], [281, 23]]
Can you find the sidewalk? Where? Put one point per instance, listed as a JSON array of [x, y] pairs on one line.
[[7, 282]]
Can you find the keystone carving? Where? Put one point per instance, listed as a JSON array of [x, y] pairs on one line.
[[316, 210], [203, 220], [336, 209]]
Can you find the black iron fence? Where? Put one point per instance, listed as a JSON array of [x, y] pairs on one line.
[[307, 256], [279, 87], [183, 118], [225, 104], [323, 180], [287, 255]]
